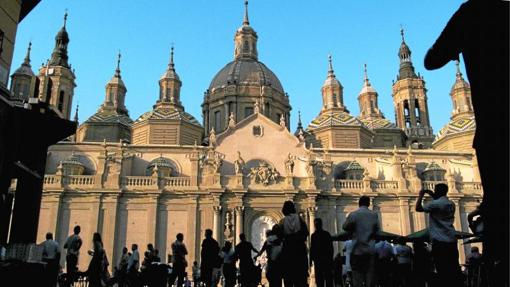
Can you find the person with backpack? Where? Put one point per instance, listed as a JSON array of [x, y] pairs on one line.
[[273, 248], [294, 251]]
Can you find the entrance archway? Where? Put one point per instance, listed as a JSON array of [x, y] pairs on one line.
[[258, 233]]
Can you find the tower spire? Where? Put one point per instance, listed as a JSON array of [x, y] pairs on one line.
[[117, 70], [330, 71], [76, 113], [171, 63], [246, 22], [365, 74], [402, 33], [26, 61]]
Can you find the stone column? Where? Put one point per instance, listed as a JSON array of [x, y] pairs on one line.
[[216, 222], [458, 226], [405, 216], [194, 231], [239, 222], [109, 211], [152, 213], [311, 218]]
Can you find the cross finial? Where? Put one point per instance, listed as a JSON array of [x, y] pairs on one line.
[[457, 65], [402, 32], [65, 18], [365, 72], [246, 21]]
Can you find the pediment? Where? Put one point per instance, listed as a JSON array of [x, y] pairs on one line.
[[259, 139]]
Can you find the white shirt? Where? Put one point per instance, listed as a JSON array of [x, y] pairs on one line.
[[50, 249], [134, 260], [441, 216], [364, 224], [347, 254], [73, 244]]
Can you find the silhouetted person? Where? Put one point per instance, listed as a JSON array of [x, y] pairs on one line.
[[363, 224], [422, 265], [209, 258], [229, 264], [179, 263], [404, 256], [51, 255], [246, 267], [294, 253], [474, 267], [338, 270], [73, 245], [321, 254], [273, 248], [479, 30], [441, 212], [122, 268], [133, 266], [97, 271], [385, 263]]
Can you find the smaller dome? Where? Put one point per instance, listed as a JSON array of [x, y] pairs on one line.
[[170, 74], [161, 162], [353, 165], [62, 35], [433, 166], [404, 49], [73, 159], [116, 80]]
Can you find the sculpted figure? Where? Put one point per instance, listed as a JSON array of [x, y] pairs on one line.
[[289, 164], [239, 164]]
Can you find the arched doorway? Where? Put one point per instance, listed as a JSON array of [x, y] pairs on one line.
[[258, 230]]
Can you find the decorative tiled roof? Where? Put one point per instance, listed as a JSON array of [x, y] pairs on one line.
[[353, 165], [110, 116], [334, 118], [168, 113], [433, 166], [457, 125], [378, 123]]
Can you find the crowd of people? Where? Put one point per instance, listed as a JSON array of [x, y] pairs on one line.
[[367, 259]]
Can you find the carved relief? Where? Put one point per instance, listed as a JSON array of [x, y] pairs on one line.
[[265, 174]]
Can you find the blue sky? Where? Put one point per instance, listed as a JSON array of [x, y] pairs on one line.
[[295, 38]]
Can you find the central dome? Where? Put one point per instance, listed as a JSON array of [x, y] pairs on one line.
[[247, 72]]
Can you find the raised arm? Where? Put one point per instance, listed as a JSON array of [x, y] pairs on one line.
[[448, 46], [419, 206]]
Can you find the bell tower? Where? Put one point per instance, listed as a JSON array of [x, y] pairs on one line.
[[56, 79], [410, 101]]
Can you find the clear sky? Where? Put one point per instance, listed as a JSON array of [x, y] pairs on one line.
[[295, 37]]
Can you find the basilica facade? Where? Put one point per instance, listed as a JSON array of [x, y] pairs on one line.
[[144, 180]]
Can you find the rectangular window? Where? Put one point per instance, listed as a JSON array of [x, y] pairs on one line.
[[248, 111], [217, 121], [278, 116]]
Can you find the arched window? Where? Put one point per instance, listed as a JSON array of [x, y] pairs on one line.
[[417, 111], [407, 117], [49, 87], [246, 46], [61, 101]]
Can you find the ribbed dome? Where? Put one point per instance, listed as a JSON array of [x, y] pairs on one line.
[[24, 70], [62, 35], [245, 72]]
